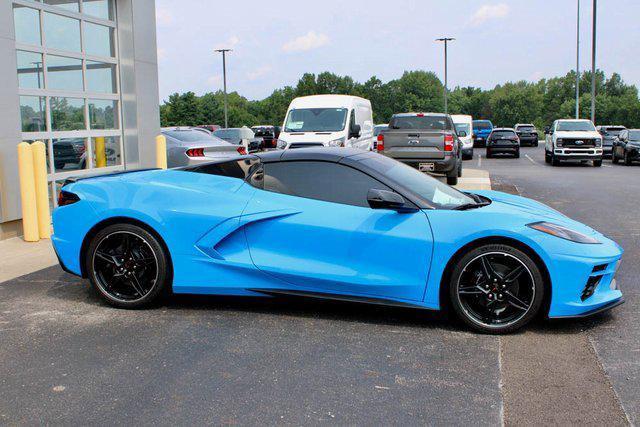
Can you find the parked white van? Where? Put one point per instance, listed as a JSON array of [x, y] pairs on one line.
[[328, 120], [464, 125]]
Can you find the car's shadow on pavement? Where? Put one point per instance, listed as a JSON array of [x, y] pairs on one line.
[[78, 291]]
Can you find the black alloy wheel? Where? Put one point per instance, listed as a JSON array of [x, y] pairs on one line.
[[496, 289], [127, 266]]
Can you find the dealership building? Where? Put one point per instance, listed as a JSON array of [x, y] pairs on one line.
[[81, 76]]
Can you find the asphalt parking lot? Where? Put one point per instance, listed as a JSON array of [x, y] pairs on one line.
[[67, 358]]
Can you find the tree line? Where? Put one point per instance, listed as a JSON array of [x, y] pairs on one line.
[[538, 102]]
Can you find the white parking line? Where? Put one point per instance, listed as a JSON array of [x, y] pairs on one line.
[[479, 160], [607, 166], [532, 161]]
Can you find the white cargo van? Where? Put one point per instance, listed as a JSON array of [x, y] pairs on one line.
[[464, 129], [328, 120]]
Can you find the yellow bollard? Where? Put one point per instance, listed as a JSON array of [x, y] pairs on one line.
[[161, 152], [100, 152], [27, 192], [42, 189]]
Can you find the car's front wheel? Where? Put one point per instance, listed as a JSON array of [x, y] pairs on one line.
[[496, 288], [127, 265]]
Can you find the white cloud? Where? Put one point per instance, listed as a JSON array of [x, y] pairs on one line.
[[488, 12], [163, 17], [309, 41], [258, 72], [230, 43]]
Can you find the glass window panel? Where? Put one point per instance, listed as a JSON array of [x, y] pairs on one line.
[[61, 32], [71, 5], [32, 113], [99, 8], [67, 114], [103, 114], [64, 73], [98, 40], [69, 154], [106, 151], [101, 77], [30, 73], [27, 24]]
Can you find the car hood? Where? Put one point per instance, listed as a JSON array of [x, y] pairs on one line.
[[530, 211], [565, 134], [310, 137]]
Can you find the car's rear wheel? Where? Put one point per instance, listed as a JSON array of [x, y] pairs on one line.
[[127, 265], [627, 159], [496, 288]]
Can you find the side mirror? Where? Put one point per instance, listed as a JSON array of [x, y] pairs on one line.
[[354, 132], [384, 199], [547, 130], [462, 134]]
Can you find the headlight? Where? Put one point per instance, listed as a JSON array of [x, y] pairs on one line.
[[559, 142], [281, 144], [599, 142], [562, 232], [336, 142]]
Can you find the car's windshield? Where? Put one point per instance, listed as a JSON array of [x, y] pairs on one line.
[[503, 134], [316, 120], [634, 135], [434, 192], [612, 131], [463, 127], [580, 126], [419, 122], [190, 135], [526, 128], [482, 125]]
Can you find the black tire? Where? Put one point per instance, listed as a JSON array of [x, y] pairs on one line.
[[597, 163], [614, 158], [535, 144], [513, 303], [127, 275], [489, 155], [452, 180], [627, 160], [547, 157], [460, 169], [554, 160], [517, 155]]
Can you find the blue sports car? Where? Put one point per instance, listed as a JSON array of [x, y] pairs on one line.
[[332, 223]]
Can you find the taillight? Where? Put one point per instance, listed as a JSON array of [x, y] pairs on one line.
[[66, 198], [420, 115], [448, 142], [380, 143], [242, 150], [195, 152]]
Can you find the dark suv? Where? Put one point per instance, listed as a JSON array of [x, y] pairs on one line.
[[503, 140], [609, 133], [527, 133]]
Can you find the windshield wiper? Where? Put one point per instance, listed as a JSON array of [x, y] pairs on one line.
[[467, 206]]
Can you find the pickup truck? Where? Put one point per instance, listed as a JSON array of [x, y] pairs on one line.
[[572, 139], [426, 141]]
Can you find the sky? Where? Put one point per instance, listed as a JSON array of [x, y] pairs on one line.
[[275, 41]]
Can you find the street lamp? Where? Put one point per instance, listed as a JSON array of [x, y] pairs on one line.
[[224, 78], [446, 91], [578, 63], [593, 63]]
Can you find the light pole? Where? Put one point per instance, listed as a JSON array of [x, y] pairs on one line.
[[446, 91], [578, 63], [593, 63], [224, 78]]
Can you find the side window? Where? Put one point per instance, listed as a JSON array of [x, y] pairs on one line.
[[240, 169], [326, 181]]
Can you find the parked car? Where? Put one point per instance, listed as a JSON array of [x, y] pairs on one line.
[[464, 129], [572, 139], [503, 141], [188, 146], [269, 135], [608, 133], [328, 120], [377, 129], [69, 153], [426, 141], [626, 146], [527, 133], [481, 130], [240, 136], [210, 128], [295, 222]]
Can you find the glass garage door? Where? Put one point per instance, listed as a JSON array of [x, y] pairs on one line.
[[67, 58]]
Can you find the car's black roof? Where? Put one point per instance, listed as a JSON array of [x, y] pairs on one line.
[[327, 154]]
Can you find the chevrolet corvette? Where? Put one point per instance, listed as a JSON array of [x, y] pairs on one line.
[[333, 223]]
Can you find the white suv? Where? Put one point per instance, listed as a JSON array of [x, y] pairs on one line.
[[573, 140]]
